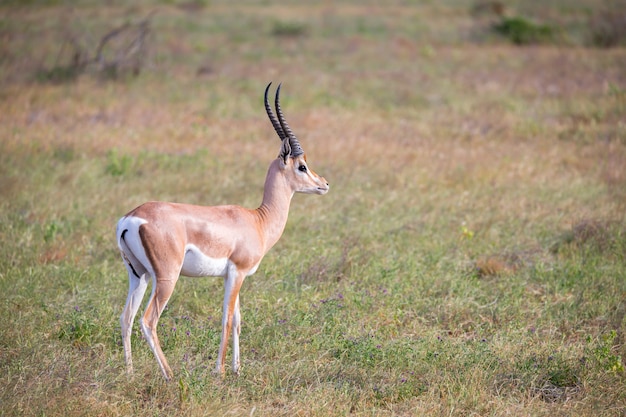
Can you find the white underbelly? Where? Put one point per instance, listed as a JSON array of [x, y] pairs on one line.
[[197, 264]]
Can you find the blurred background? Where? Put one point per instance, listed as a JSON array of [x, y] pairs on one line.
[[468, 259]]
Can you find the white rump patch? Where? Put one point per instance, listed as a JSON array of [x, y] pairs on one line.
[[130, 244]]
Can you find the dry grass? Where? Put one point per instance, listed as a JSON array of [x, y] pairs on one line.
[[468, 260]]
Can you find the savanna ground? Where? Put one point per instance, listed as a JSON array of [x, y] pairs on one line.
[[469, 258]]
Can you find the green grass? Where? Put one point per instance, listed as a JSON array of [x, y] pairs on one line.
[[469, 258]]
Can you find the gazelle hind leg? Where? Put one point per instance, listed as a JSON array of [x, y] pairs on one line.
[[136, 290], [161, 293]]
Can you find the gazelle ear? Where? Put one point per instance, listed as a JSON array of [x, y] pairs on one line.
[[285, 150]]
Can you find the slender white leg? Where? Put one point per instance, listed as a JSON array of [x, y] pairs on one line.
[[232, 285], [221, 353], [136, 290], [236, 331]]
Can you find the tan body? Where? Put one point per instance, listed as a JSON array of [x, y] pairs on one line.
[[161, 241]]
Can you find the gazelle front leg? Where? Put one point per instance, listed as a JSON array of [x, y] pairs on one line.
[[232, 285], [236, 331]]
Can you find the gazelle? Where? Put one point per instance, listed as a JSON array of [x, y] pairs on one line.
[[162, 241]]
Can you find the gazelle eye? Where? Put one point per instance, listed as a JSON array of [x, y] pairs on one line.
[[302, 168]]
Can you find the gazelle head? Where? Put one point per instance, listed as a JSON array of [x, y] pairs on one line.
[[292, 156]]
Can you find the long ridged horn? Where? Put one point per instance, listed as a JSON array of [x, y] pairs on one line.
[[270, 114], [296, 149]]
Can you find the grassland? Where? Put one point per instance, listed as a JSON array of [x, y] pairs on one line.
[[469, 259]]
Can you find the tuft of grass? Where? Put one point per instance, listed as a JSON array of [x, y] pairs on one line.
[[79, 329], [598, 236], [603, 351], [118, 165]]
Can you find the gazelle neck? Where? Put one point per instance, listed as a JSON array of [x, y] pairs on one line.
[[274, 209]]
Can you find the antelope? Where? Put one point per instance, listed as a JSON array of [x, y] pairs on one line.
[[163, 240]]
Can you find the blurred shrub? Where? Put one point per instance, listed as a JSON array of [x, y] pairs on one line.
[[608, 26], [59, 73], [488, 8], [522, 31], [289, 29], [122, 50]]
